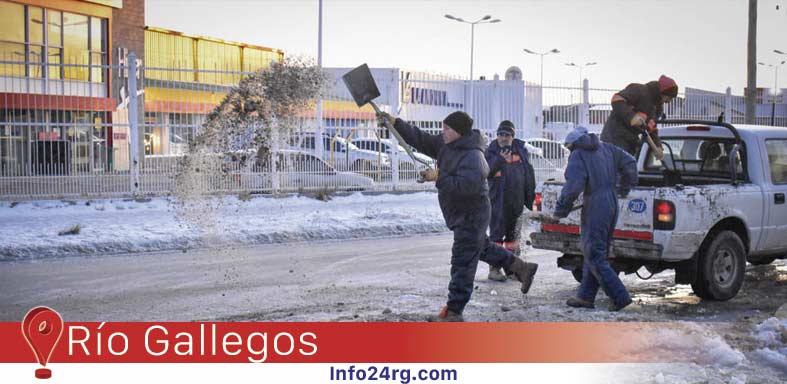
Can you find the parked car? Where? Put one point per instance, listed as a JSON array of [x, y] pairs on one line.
[[298, 170], [716, 201], [345, 156], [408, 168], [550, 149]]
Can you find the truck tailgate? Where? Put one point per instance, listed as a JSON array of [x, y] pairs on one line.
[[635, 213]]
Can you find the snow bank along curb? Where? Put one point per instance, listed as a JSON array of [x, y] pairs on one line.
[[30, 230]]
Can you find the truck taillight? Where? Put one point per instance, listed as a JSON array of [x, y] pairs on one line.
[[537, 202], [664, 215]]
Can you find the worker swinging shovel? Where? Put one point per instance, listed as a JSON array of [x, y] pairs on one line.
[[364, 90]]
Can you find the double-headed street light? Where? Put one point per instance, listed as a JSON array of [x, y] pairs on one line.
[[775, 84], [541, 81], [542, 54], [580, 66], [483, 20]]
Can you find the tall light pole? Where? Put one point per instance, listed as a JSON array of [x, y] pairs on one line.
[[775, 87], [483, 20], [580, 66], [541, 81], [542, 54], [318, 131]]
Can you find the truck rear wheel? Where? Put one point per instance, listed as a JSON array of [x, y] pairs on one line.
[[721, 268]]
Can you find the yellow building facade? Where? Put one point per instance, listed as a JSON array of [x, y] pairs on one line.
[[186, 77]]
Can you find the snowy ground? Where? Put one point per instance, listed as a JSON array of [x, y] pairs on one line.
[[401, 279], [29, 230], [261, 262]]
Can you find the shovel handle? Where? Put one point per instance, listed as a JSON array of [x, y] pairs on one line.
[[659, 152], [399, 138]]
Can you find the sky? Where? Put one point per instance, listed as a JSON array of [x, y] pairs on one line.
[[700, 43]]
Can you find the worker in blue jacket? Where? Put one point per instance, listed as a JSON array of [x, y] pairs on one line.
[[512, 186], [593, 169], [463, 194]]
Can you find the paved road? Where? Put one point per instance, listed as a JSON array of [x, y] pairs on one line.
[[391, 279]]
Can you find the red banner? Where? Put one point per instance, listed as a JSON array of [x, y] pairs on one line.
[[340, 343]]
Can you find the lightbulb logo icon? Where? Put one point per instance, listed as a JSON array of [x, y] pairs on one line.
[[42, 328]]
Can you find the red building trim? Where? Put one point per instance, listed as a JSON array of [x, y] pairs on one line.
[[56, 102]]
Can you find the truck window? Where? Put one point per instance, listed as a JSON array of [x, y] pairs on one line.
[[777, 160], [697, 156]]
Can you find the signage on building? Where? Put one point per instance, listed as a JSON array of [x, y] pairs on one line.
[[48, 136], [119, 135]]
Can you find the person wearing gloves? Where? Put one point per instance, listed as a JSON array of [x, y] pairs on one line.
[[463, 194], [593, 167], [635, 110], [512, 186]]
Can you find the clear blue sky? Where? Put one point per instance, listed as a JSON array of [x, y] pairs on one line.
[[701, 43]]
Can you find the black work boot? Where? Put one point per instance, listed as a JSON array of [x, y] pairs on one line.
[[524, 273], [617, 307], [446, 315], [576, 302], [495, 274]]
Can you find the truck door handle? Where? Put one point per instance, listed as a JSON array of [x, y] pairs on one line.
[[778, 198]]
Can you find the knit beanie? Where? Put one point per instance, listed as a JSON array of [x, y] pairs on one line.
[[459, 122]]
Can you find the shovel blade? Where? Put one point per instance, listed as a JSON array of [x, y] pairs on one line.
[[361, 85]]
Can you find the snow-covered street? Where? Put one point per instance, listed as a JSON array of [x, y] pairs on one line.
[[391, 279], [29, 230], [353, 258]]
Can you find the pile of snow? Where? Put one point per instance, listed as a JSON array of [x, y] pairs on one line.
[[690, 343], [30, 230], [771, 336]]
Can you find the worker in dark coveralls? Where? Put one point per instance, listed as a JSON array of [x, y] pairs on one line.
[[635, 110], [593, 168], [512, 186], [463, 194]]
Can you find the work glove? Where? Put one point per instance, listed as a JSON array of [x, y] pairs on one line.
[[429, 174], [382, 117], [639, 119], [651, 126]]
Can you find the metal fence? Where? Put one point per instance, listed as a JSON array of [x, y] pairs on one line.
[[124, 130]]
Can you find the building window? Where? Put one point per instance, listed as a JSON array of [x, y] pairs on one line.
[[38, 42]]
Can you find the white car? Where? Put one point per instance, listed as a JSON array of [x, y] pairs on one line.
[[345, 156], [550, 149], [408, 168], [299, 170], [716, 201]]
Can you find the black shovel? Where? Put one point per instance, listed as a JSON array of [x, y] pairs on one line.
[[363, 89]]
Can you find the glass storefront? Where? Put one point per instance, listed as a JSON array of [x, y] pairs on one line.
[[37, 142], [35, 42]]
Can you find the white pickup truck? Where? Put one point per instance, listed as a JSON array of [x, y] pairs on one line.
[[716, 201]]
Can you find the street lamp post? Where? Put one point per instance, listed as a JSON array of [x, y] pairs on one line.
[[583, 102], [775, 85], [541, 81], [483, 20], [580, 66], [542, 54], [318, 129]]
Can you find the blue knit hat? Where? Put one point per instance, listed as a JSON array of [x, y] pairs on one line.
[[574, 135]]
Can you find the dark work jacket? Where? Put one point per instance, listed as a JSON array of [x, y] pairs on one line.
[[593, 168], [461, 184], [510, 184], [634, 98]]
